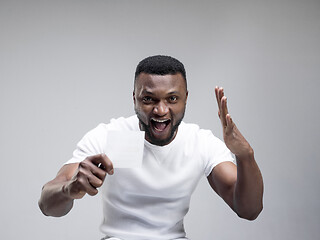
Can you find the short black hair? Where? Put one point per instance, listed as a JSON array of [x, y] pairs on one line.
[[160, 65]]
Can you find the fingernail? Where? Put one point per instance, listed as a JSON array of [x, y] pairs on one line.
[[111, 172]]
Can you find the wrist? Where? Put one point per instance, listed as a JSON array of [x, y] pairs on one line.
[[65, 191], [246, 155]]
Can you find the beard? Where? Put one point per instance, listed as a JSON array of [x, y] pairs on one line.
[[152, 138]]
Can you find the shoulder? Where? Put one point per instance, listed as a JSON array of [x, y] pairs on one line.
[[130, 123], [202, 139], [188, 128], [210, 148], [193, 131], [116, 124]]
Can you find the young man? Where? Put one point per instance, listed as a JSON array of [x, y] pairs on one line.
[[150, 202]]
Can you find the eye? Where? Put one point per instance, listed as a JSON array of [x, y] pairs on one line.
[[147, 99], [173, 99]]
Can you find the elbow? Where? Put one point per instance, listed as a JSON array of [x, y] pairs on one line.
[[54, 211], [42, 208], [50, 212], [252, 214]]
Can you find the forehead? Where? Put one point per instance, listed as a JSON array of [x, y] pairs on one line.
[[153, 82]]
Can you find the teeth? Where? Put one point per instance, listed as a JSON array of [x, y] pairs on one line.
[[160, 120]]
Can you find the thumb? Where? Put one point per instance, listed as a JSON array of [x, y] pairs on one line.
[[230, 123]]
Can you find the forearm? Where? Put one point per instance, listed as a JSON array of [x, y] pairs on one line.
[[248, 191], [53, 201]]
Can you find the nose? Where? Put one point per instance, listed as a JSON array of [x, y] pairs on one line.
[[160, 109]]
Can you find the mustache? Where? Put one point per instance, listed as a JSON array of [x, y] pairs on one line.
[[146, 127]]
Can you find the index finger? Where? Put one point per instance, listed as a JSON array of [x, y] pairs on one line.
[[103, 162], [222, 104], [224, 111], [217, 97]]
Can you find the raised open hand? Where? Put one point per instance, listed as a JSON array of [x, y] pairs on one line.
[[233, 139]]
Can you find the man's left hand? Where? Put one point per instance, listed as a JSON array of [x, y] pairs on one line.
[[233, 139]]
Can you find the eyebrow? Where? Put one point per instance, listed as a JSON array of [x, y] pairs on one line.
[[151, 93], [147, 92], [173, 92]]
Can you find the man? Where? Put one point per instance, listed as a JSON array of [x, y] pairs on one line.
[[150, 202]]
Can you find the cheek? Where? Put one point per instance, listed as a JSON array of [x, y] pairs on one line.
[[178, 110], [142, 110]]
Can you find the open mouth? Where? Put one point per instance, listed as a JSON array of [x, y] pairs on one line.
[[160, 124]]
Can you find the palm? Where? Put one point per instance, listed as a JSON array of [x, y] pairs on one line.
[[231, 135]]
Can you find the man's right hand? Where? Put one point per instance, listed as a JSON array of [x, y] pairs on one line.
[[88, 177], [73, 181]]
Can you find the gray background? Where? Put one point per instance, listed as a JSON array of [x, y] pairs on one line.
[[66, 66]]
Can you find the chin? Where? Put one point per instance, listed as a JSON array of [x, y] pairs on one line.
[[152, 138], [160, 142]]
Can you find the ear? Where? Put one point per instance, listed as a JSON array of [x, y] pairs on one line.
[[187, 93], [134, 97]]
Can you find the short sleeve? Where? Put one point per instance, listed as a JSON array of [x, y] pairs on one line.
[[94, 142], [91, 144], [215, 151]]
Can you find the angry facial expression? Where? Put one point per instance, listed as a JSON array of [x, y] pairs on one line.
[[160, 102]]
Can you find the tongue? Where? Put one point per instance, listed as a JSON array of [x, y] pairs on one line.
[[160, 126]]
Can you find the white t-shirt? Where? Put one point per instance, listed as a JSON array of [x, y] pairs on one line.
[[149, 203]]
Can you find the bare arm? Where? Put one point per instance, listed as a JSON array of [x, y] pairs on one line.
[[240, 186], [73, 181]]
